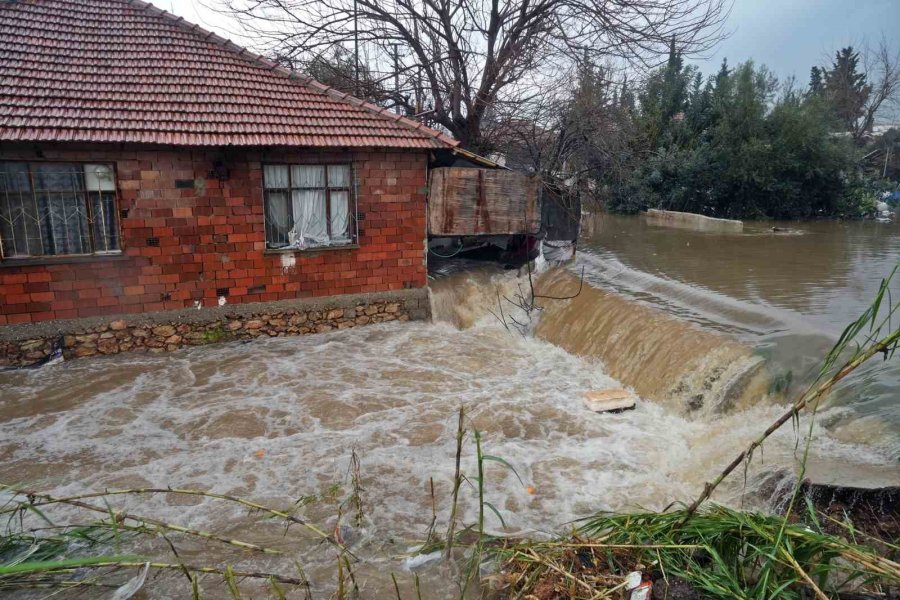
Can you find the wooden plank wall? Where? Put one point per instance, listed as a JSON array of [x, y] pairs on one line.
[[468, 201]]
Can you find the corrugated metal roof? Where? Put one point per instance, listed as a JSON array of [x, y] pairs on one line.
[[126, 71]]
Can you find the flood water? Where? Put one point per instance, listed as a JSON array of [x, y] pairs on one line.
[[786, 294], [276, 420]]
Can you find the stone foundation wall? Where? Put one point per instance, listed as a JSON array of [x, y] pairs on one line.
[[169, 331]]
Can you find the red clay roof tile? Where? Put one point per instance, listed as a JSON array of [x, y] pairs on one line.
[[126, 71]]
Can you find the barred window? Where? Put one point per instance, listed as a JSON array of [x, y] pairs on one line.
[[57, 209], [309, 206]]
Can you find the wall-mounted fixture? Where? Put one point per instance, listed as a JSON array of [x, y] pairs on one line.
[[219, 171], [99, 178]]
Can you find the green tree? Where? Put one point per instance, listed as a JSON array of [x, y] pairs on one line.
[[663, 99], [816, 81], [846, 88], [740, 152]]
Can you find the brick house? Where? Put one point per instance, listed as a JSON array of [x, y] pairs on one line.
[[147, 165]]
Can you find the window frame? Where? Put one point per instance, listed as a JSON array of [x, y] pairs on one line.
[[85, 196], [352, 208]]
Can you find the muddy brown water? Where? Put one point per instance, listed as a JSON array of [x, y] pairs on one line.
[[785, 294], [275, 420]]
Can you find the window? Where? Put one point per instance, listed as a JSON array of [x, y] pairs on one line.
[[309, 206], [57, 209]]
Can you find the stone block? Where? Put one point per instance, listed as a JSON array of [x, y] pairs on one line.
[[108, 345], [164, 331], [85, 350]]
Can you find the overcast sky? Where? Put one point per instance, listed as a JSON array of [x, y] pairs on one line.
[[789, 36]]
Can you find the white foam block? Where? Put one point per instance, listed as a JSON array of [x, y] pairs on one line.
[[610, 400]]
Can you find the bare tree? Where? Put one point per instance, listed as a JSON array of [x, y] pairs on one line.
[[577, 133], [537, 133], [882, 68], [465, 57], [339, 71]]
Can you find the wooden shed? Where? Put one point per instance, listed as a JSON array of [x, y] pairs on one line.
[[475, 201]]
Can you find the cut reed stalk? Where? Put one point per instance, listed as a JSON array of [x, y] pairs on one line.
[[396, 586], [117, 516], [803, 575], [133, 564], [355, 589], [232, 583], [811, 396], [356, 484], [550, 565], [188, 492], [457, 482]]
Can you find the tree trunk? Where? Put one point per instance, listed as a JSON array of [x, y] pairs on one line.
[[470, 135]]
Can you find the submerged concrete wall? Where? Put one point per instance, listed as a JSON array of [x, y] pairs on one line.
[[683, 220], [170, 330]]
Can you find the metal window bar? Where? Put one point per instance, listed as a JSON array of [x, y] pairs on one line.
[[47, 209], [279, 239], [277, 229], [8, 214], [104, 230], [354, 194], [63, 221]]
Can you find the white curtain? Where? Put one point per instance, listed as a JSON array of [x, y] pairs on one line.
[[276, 177], [339, 177], [340, 216], [308, 176], [310, 220], [310, 224]]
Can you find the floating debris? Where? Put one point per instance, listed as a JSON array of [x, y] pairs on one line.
[[614, 400]]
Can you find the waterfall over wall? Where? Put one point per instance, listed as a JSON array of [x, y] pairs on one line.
[[663, 359]]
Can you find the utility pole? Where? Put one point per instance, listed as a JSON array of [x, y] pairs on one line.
[[355, 50], [418, 72], [397, 77]]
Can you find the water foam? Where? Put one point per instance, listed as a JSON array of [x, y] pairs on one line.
[[197, 418], [276, 419]]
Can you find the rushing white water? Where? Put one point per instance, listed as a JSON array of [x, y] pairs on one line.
[[276, 420], [785, 294]]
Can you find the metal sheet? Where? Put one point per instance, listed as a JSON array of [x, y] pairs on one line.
[[466, 201]]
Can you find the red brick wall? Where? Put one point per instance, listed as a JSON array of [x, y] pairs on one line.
[[212, 236]]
